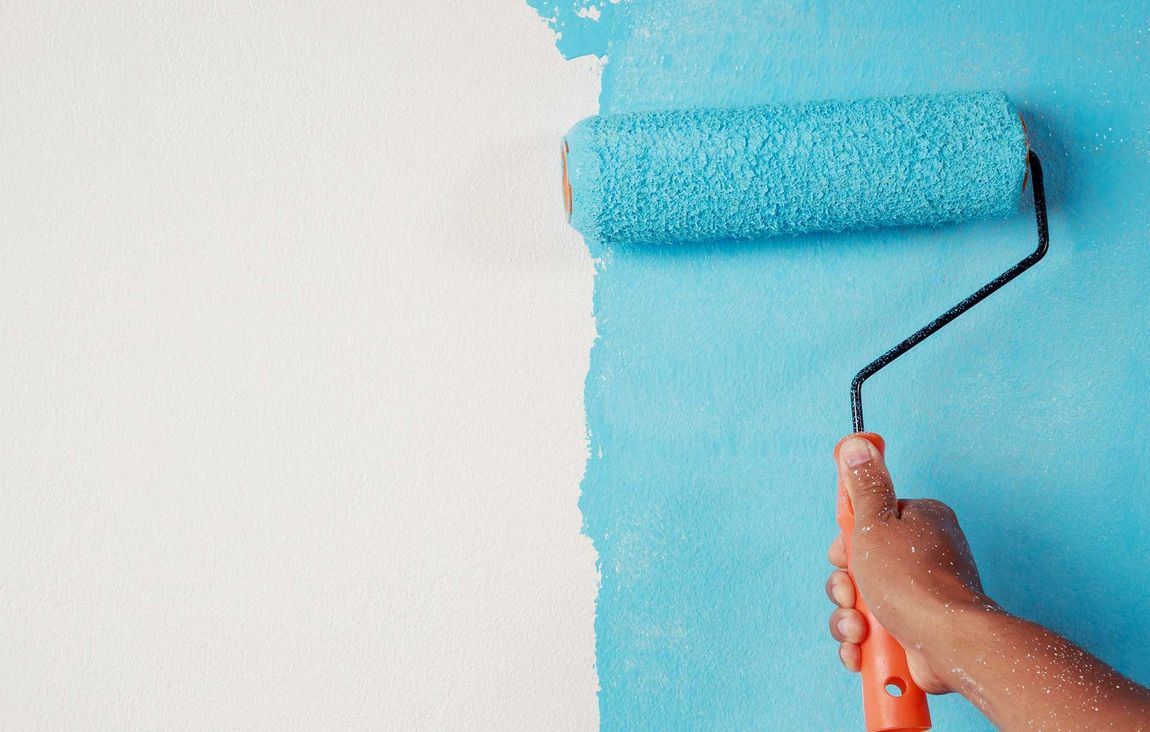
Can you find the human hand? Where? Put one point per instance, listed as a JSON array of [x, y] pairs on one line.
[[912, 564]]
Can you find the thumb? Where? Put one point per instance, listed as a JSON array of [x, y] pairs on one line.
[[863, 473]]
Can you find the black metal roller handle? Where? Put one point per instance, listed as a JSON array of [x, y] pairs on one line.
[[983, 292]]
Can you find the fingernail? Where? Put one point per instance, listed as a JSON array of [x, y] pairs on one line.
[[843, 627], [855, 452], [839, 591]]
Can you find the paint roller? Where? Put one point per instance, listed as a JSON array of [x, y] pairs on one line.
[[728, 174]]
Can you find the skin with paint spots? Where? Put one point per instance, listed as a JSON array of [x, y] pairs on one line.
[[912, 563]]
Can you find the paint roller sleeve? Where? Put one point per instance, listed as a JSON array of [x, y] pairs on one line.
[[706, 174]]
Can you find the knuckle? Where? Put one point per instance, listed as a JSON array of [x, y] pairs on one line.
[[833, 625], [840, 590], [846, 657], [937, 508], [871, 484], [836, 552], [873, 496]]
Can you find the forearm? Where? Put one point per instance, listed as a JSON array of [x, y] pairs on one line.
[[1024, 677], [913, 555]]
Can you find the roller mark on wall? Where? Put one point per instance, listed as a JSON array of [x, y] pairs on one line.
[[717, 383]]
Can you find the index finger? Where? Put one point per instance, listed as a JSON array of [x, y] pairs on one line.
[[837, 553]]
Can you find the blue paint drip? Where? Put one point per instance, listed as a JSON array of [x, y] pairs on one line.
[[718, 384]]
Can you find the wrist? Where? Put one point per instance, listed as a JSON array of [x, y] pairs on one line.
[[968, 630]]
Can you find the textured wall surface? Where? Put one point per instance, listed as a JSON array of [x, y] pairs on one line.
[[292, 348], [718, 385]]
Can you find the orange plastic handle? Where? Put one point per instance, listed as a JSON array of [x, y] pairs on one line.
[[891, 700]]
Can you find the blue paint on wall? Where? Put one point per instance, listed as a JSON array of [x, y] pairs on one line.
[[718, 385], [582, 27]]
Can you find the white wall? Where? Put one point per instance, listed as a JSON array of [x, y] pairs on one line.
[[292, 344]]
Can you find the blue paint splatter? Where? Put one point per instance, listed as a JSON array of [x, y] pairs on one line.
[[718, 384], [583, 27]]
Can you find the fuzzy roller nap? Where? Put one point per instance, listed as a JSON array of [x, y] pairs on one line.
[[709, 174], [657, 177]]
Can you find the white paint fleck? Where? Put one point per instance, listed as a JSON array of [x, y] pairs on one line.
[[591, 11]]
